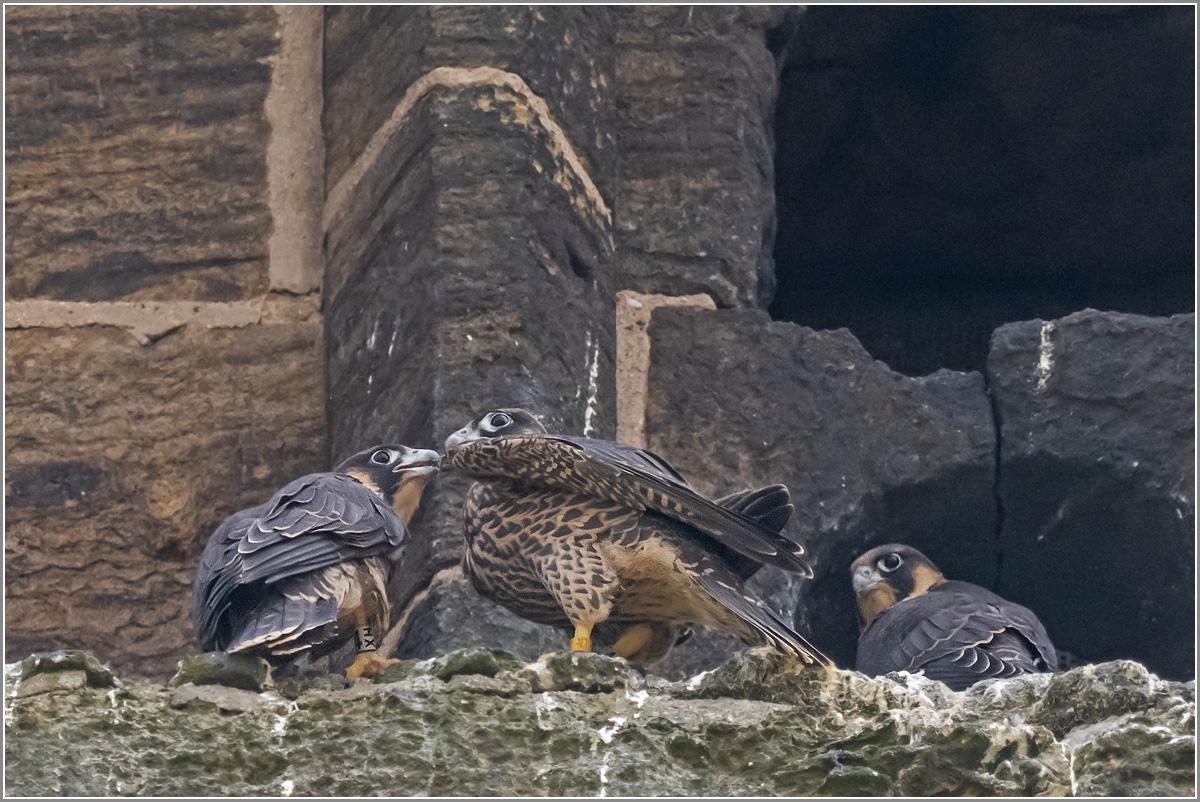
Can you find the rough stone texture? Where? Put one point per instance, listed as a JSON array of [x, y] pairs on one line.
[[137, 203], [483, 724], [120, 462], [694, 203], [135, 152], [946, 169], [374, 54], [469, 267], [1097, 479], [870, 456], [453, 613], [243, 671], [68, 660]]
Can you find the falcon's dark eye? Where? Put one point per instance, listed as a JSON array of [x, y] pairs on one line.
[[890, 562], [381, 457], [499, 420]]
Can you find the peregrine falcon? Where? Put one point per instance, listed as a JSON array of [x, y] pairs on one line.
[[914, 619], [308, 570], [571, 531]]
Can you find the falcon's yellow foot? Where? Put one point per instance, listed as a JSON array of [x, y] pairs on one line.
[[582, 642], [543, 658], [632, 640], [368, 664]]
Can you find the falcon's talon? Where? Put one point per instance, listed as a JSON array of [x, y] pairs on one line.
[[633, 640], [367, 665]]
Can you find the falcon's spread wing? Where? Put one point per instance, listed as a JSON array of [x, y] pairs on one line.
[[316, 522], [633, 477], [957, 633]]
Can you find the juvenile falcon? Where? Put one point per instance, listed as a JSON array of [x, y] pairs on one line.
[[308, 570], [571, 531], [914, 619]]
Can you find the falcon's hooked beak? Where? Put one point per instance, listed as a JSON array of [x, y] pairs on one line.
[[865, 578], [467, 434], [415, 469], [421, 462]]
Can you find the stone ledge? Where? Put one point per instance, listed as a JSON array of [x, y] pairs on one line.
[[481, 722]]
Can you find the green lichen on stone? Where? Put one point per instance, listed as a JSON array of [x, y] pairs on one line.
[[219, 668], [98, 675], [479, 722]]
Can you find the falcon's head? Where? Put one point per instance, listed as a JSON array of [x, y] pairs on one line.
[[497, 423], [889, 574], [396, 473]]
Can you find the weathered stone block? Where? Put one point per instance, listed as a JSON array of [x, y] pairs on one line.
[[454, 613], [870, 456], [373, 56], [237, 670], [123, 459], [136, 152], [1097, 476], [468, 268], [73, 660], [694, 203]]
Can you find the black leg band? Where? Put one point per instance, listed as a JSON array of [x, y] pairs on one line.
[[366, 639]]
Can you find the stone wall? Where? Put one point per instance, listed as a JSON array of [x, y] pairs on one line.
[[164, 356], [254, 240]]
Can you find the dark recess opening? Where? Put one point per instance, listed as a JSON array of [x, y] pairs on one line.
[[943, 170]]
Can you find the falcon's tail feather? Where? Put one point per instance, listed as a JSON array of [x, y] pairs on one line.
[[771, 506], [764, 624], [280, 625]]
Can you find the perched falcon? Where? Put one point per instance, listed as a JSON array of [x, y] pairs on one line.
[[307, 571], [571, 531], [915, 619]]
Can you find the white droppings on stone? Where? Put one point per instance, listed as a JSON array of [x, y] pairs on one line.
[[593, 385], [392, 342], [695, 681], [639, 698], [374, 334], [287, 787], [544, 703], [1045, 355], [283, 719], [470, 338], [12, 682], [608, 733], [604, 775]]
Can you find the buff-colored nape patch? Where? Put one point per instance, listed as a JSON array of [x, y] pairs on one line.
[[924, 578], [366, 479]]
